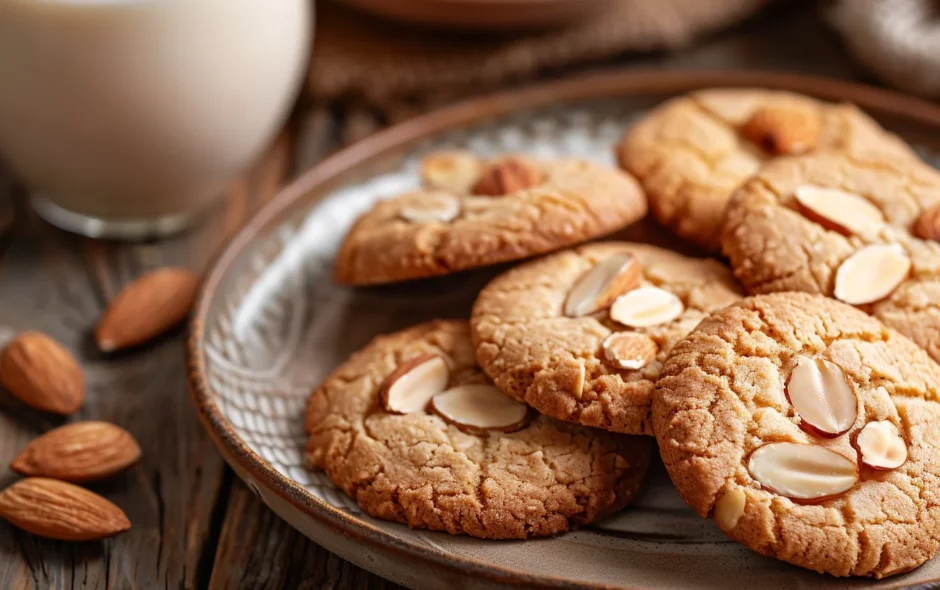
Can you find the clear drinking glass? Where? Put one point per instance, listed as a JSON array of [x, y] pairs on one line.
[[127, 118]]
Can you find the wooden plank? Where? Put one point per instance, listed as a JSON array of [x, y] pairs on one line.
[[259, 550]]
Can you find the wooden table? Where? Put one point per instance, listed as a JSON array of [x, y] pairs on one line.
[[195, 525]]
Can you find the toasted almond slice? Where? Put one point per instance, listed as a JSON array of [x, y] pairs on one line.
[[478, 408], [430, 207], [730, 508], [784, 129], [454, 172], [597, 288], [822, 396], [847, 213], [412, 384], [646, 306], [629, 350], [927, 225], [881, 446], [801, 472], [871, 273]]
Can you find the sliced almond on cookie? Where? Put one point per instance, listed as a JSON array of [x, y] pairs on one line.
[[871, 273], [432, 206], [412, 384], [837, 210], [602, 284], [822, 396], [730, 508], [646, 306], [880, 445], [478, 408], [454, 172], [629, 350], [801, 472]]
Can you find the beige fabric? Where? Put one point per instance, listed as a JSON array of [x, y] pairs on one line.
[[361, 56]]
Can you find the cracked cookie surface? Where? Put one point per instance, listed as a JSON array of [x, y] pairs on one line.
[[574, 201], [417, 469], [722, 395], [535, 353], [691, 153], [772, 246]]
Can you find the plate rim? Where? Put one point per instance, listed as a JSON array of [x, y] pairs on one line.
[[314, 184]]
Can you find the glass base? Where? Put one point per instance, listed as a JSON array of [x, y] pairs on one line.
[[112, 229]]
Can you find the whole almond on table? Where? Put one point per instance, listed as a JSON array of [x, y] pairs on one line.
[[60, 510], [146, 308], [507, 176], [42, 373], [79, 452]]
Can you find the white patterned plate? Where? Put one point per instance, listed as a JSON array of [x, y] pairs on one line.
[[271, 325]]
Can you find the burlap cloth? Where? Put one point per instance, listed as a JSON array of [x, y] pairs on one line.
[[382, 63]]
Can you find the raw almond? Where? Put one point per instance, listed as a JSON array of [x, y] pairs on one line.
[[629, 350], [871, 274], [455, 172], [412, 384], [783, 130], [804, 473], [479, 408], [146, 308], [507, 176], [646, 306], [822, 396], [42, 373], [927, 226], [880, 446], [430, 207], [597, 288], [78, 452], [847, 213], [60, 510]]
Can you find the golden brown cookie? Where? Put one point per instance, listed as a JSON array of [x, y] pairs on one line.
[[581, 335], [476, 213], [466, 459], [693, 151], [809, 431], [846, 227]]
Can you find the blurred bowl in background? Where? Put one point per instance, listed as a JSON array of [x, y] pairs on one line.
[[481, 15]]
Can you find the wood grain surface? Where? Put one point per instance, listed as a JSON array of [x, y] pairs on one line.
[[194, 524]]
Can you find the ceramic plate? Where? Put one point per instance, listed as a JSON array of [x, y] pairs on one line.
[[270, 325]]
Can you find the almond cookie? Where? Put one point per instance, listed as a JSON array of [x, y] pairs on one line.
[[413, 431], [475, 213], [861, 230], [692, 152], [809, 431], [581, 335]]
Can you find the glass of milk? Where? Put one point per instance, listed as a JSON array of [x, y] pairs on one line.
[[127, 118]]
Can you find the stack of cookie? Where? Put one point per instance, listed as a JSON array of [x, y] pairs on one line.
[[804, 419]]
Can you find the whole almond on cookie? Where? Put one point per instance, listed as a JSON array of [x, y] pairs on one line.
[[507, 176], [783, 130], [42, 373], [79, 452], [60, 510], [927, 226], [146, 308]]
